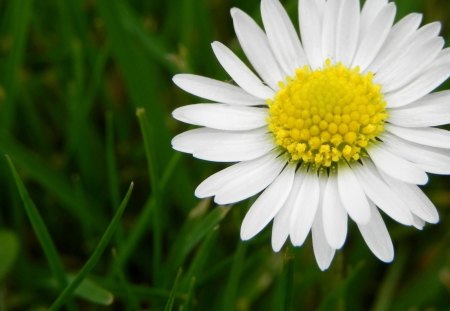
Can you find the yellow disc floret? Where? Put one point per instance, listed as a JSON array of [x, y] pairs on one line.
[[327, 115]]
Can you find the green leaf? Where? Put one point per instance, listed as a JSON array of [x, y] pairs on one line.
[[9, 249]]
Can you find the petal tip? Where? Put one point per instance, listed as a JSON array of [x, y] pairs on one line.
[[246, 234], [178, 79], [234, 11], [387, 258]]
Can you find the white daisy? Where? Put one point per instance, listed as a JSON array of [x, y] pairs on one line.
[[338, 124]]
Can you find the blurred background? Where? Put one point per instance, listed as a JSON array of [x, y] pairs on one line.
[[85, 102]]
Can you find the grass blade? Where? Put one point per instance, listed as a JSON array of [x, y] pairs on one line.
[[229, 298], [171, 300], [95, 257], [91, 291], [8, 252], [39, 228], [152, 164], [53, 181], [191, 234], [390, 282], [19, 16], [144, 217]]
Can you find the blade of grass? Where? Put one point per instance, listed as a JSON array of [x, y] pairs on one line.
[[156, 48], [152, 165], [190, 295], [144, 81], [285, 287], [91, 291], [334, 296], [41, 232], [113, 176], [88, 290], [53, 181], [9, 251], [149, 146], [95, 257], [131, 301], [190, 235], [390, 282], [195, 35], [414, 294], [19, 15], [199, 261], [231, 290], [141, 292], [139, 71], [144, 217], [171, 300]]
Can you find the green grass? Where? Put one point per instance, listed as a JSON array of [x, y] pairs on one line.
[[85, 102]]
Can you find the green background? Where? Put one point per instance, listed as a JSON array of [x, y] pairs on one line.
[[85, 102]]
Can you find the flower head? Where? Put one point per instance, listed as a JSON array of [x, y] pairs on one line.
[[340, 123]]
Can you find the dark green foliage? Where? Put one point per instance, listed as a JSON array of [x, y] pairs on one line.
[[85, 102]]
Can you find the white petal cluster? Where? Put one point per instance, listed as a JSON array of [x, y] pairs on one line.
[[407, 60]]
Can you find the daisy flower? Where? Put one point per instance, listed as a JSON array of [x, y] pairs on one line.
[[339, 124]]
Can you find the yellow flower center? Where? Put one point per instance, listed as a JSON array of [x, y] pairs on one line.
[[324, 116]]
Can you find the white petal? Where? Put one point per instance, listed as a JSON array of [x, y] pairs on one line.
[[323, 252], [222, 117], [443, 58], [320, 6], [282, 36], [427, 136], [418, 202], [352, 195], [268, 204], [420, 87], [432, 160], [347, 31], [311, 30], [380, 194], [305, 209], [409, 65], [280, 228], [369, 13], [377, 237], [334, 215], [375, 36], [400, 33], [215, 90], [396, 166], [409, 44], [418, 222], [240, 73], [256, 46], [242, 170], [224, 146], [329, 29], [431, 110], [249, 184]]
